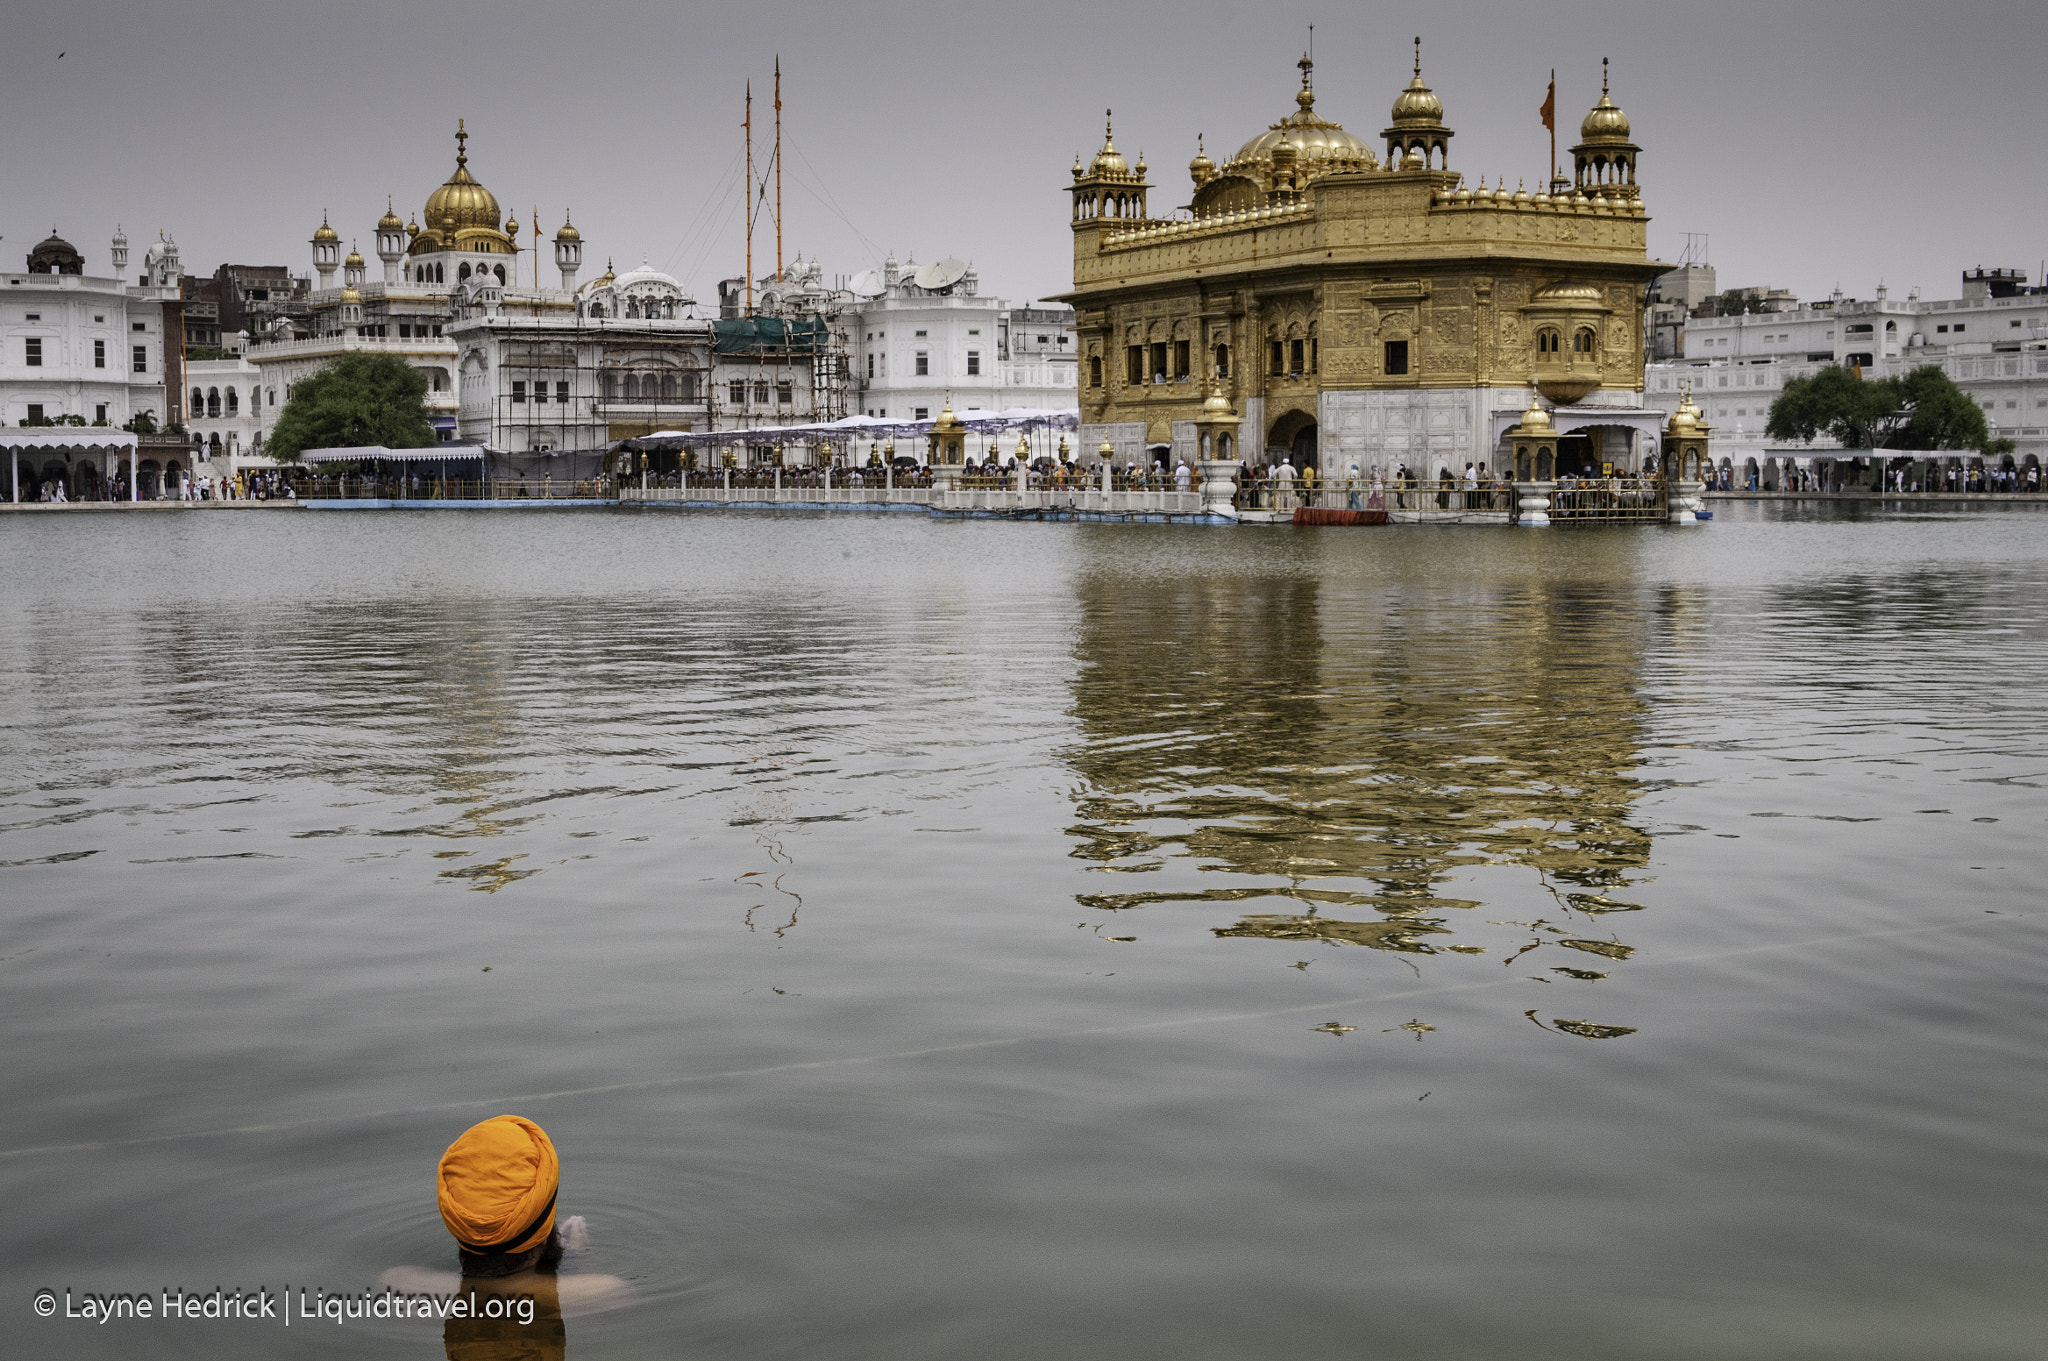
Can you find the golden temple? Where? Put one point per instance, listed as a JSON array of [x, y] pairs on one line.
[[1365, 308]]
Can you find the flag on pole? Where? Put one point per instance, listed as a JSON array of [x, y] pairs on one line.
[[1549, 109]]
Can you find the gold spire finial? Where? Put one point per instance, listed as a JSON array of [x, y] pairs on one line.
[[1418, 54], [461, 144], [1107, 125], [1603, 77]]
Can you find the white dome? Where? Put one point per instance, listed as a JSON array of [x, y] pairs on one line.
[[647, 280]]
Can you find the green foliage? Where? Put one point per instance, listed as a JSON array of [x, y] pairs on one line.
[[1923, 410], [195, 352], [1943, 415], [359, 399], [1837, 403], [54, 420], [141, 423], [1735, 302]]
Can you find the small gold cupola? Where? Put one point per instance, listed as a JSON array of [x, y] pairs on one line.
[[1604, 161], [1418, 126]]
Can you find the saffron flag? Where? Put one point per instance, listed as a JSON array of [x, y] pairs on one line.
[[1549, 109]]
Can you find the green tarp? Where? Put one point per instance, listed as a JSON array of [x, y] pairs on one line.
[[769, 335]]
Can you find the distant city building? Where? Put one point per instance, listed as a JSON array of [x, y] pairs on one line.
[[1992, 341], [240, 298]]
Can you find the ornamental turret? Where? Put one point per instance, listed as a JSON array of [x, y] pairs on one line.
[[1604, 161], [568, 253], [391, 243], [1418, 128], [352, 268], [119, 253], [1109, 187], [326, 252]]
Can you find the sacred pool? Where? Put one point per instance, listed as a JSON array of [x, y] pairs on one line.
[[952, 938]]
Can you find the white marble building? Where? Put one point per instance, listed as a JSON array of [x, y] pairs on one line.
[[225, 407], [407, 312], [917, 333], [89, 346], [1992, 341]]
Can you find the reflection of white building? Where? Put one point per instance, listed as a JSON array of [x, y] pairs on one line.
[[407, 312], [1992, 341]]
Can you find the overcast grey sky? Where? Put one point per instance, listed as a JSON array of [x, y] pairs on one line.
[[1815, 143]]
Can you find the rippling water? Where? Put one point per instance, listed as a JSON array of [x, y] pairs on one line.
[[962, 939]]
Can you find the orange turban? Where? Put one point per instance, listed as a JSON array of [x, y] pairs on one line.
[[497, 1186]]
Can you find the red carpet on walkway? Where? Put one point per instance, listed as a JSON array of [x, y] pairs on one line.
[[1318, 515]]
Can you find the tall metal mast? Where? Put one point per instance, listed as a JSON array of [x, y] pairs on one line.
[[778, 167], [748, 124]]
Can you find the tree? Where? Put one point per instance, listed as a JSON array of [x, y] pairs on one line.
[[1940, 414], [1737, 301], [359, 399], [1836, 402], [1923, 410]]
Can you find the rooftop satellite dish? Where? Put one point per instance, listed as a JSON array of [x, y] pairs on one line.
[[940, 274], [867, 284]]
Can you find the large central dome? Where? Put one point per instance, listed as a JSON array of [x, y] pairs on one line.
[[1318, 144], [461, 196], [462, 214]]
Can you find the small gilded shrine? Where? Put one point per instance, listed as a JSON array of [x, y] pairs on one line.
[[1364, 305]]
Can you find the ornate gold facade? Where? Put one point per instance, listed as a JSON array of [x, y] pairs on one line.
[[1339, 294]]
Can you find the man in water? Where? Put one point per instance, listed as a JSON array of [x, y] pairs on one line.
[[496, 1187]]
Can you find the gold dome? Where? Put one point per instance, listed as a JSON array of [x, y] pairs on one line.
[[512, 226], [1535, 419], [1605, 123], [1201, 168], [462, 214], [1317, 143], [350, 295], [1688, 419], [354, 260], [389, 222], [1568, 294], [568, 231], [1418, 103], [324, 232], [461, 197], [1108, 161], [1216, 406]]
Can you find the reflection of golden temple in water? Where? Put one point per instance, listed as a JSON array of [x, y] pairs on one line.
[[1337, 754]]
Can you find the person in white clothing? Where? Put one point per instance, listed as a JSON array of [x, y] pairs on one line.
[[1181, 476]]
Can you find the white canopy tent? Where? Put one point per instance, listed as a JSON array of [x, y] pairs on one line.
[[855, 428], [366, 453], [94, 438]]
